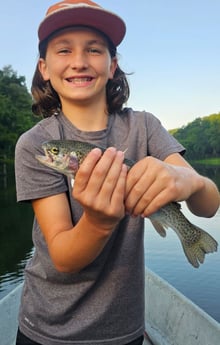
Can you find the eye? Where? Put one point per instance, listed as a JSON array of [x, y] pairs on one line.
[[54, 150], [94, 51], [64, 51]]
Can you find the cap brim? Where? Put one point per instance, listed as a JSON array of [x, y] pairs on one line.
[[108, 23]]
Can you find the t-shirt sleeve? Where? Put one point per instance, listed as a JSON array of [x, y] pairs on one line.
[[161, 143], [33, 179]]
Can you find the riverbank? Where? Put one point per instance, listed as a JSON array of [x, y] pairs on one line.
[[208, 161]]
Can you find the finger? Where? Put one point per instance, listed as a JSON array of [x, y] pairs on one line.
[[86, 169], [102, 169], [134, 175], [149, 202], [139, 189], [118, 194], [102, 186], [112, 176], [92, 174], [158, 202]]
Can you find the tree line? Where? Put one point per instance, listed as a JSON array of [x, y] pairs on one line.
[[200, 137], [15, 110]]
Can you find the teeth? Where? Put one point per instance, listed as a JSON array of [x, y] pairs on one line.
[[79, 80]]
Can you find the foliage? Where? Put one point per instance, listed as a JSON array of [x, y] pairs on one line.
[[15, 110], [201, 137]]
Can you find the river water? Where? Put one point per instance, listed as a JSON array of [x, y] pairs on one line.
[[164, 256]]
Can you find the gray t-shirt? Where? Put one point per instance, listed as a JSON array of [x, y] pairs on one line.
[[103, 304]]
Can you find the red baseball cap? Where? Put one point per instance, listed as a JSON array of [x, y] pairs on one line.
[[82, 12]]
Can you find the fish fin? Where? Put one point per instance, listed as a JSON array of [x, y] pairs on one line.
[[159, 228], [196, 251]]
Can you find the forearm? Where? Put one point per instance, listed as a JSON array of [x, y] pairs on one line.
[[74, 249], [205, 202], [201, 194]]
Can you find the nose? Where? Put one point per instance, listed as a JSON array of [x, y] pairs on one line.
[[79, 61]]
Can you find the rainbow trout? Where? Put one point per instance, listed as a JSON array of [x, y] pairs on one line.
[[65, 156]]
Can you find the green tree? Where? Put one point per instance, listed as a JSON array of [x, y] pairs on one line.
[[214, 134], [15, 110], [200, 137]]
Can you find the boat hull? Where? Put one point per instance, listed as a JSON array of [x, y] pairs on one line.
[[172, 319]]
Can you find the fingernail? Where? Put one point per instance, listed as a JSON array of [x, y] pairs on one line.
[[96, 150], [112, 149], [120, 154]]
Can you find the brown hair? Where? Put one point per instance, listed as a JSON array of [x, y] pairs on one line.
[[46, 99]]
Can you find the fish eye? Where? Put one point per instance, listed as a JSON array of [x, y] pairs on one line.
[[54, 150]]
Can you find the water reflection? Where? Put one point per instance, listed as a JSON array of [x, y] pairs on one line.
[[10, 280], [15, 235], [212, 171]]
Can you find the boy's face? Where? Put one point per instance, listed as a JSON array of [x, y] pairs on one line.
[[78, 65]]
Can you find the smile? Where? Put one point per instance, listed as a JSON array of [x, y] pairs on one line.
[[79, 80]]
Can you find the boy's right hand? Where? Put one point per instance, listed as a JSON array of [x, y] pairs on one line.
[[100, 187]]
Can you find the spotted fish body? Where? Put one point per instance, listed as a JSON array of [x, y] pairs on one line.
[[66, 157]]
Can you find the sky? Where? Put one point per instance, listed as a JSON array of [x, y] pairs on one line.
[[171, 52]]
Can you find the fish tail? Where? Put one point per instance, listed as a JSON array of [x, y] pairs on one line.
[[195, 252]]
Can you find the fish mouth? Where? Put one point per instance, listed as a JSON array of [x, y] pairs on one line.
[[44, 159], [47, 158]]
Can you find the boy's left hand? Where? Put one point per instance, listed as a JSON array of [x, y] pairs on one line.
[[152, 183]]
